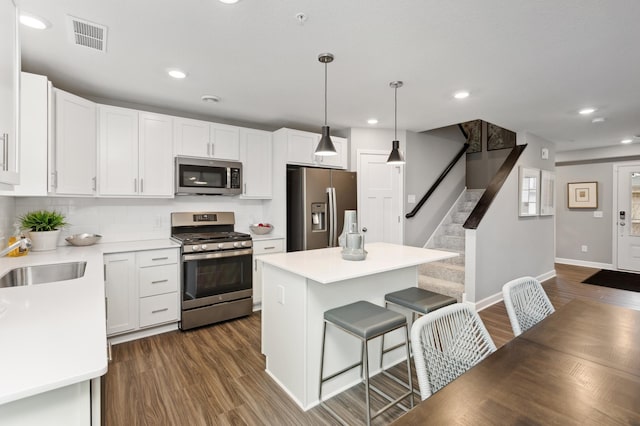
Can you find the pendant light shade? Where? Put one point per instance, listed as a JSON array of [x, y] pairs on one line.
[[395, 157], [325, 146]]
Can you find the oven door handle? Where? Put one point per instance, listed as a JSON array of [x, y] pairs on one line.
[[216, 254]]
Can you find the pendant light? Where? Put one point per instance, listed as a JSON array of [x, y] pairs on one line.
[[325, 146], [395, 157]]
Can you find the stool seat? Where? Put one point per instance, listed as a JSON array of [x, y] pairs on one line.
[[419, 300], [364, 319]]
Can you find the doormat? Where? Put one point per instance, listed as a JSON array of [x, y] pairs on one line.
[[615, 279]]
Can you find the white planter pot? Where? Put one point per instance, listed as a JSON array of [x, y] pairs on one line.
[[44, 240]]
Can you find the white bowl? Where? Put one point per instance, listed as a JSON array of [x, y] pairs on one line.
[[261, 230], [83, 239]]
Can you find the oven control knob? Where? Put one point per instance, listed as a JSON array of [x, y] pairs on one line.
[[195, 248], [203, 247], [246, 244], [237, 244], [221, 246]]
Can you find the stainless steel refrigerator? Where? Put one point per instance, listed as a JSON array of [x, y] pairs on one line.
[[316, 201]]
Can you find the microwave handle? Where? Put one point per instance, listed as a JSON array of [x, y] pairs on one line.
[[228, 177]]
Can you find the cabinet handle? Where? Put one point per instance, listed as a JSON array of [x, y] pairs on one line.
[[270, 248], [208, 149], [159, 310], [245, 188], [104, 271], [109, 354], [141, 185], [155, 259], [95, 184], [159, 281], [135, 185], [5, 151], [212, 148], [54, 179], [255, 265]]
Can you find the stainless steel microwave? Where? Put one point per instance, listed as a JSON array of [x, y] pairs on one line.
[[204, 176]]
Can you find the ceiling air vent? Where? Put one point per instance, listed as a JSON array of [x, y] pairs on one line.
[[87, 34]]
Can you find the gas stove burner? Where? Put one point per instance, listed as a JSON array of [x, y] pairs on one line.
[[213, 233]]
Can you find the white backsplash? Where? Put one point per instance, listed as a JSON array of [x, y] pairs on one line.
[[7, 218], [119, 219]]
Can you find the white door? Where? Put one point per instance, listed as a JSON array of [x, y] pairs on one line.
[[380, 197], [628, 217]]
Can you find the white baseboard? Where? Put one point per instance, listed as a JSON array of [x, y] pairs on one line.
[[495, 298], [585, 263], [142, 333]]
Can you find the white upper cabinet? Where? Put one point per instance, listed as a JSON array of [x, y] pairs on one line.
[[9, 93], [72, 160], [195, 138], [302, 145], [35, 97], [135, 154], [155, 157], [190, 137], [225, 142], [256, 151]]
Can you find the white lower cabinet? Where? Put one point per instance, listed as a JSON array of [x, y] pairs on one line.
[[68, 406], [142, 289], [261, 248]]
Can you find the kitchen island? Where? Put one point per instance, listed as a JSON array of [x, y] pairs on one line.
[[299, 287]]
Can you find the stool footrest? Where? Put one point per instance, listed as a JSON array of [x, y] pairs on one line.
[[344, 370]]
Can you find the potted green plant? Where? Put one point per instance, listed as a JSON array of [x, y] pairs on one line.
[[44, 228]]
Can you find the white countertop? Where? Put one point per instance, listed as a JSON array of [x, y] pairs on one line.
[[327, 265], [54, 334]]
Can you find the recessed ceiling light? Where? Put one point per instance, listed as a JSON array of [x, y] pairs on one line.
[[177, 73], [587, 111], [210, 98], [33, 21], [372, 121], [461, 94], [598, 120], [626, 141], [229, 1]]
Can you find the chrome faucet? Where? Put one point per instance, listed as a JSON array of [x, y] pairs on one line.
[[23, 243]]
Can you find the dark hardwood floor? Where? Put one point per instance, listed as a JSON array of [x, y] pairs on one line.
[[215, 375]]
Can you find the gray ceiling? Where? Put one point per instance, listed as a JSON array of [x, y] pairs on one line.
[[530, 65]]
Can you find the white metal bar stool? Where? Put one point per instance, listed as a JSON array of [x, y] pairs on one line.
[[365, 321]]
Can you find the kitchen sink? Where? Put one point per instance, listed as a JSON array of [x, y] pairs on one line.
[[40, 274]]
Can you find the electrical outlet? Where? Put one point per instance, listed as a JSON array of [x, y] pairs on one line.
[[411, 198], [597, 214], [585, 249]]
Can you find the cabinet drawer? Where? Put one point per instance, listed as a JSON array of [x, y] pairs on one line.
[[268, 246], [158, 309], [158, 280], [157, 257]]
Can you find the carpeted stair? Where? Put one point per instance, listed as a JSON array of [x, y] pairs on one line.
[[447, 276]]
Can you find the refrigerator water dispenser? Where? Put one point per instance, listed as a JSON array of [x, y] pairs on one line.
[[318, 217]]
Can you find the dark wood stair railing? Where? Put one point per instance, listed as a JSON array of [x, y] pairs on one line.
[[496, 183], [431, 190]]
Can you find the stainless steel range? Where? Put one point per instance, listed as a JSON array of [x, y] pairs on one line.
[[216, 268]]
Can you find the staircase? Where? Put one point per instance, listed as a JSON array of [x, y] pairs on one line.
[[447, 276]]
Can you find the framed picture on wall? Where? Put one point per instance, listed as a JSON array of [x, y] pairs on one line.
[[472, 130], [582, 195], [499, 138], [547, 193]]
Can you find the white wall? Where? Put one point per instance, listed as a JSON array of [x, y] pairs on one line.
[[7, 218], [139, 219], [427, 155], [577, 227], [482, 166], [509, 246]]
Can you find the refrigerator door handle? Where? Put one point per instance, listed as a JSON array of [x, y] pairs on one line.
[[334, 219], [330, 217]]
